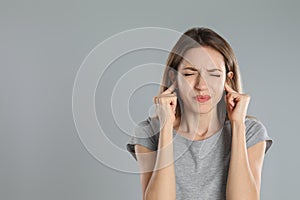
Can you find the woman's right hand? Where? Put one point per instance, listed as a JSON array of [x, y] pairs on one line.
[[166, 105]]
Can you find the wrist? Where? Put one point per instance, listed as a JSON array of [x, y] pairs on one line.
[[237, 127], [237, 123], [166, 123]]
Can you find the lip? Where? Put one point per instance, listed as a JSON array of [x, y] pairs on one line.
[[202, 98]]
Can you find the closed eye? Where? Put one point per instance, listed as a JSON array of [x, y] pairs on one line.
[[195, 74], [189, 74]]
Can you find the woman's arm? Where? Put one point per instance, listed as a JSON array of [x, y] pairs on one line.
[[162, 184], [146, 160], [245, 166]]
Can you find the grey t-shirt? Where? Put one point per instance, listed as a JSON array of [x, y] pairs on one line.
[[201, 167]]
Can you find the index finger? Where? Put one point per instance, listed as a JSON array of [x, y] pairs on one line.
[[170, 89], [229, 89]]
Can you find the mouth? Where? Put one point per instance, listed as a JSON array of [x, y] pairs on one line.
[[202, 98]]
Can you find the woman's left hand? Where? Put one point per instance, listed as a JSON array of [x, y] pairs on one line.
[[236, 104]]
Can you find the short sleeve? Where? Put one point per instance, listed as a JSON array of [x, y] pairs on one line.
[[257, 132], [143, 135]]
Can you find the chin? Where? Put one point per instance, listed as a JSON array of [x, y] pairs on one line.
[[201, 108], [204, 109]]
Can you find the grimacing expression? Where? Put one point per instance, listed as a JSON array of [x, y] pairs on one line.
[[201, 72]]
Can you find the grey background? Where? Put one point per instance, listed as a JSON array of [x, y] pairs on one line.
[[43, 44]]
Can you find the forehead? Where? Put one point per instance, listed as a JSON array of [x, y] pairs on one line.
[[205, 57]]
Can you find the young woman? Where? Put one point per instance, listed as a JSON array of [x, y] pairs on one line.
[[201, 144]]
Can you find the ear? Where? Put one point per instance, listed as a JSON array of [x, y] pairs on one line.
[[229, 76], [172, 76]]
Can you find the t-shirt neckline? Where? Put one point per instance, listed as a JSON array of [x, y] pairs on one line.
[[210, 138]]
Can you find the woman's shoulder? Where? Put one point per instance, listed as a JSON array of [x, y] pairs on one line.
[[256, 131], [252, 125], [249, 121], [252, 121], [150, 124]]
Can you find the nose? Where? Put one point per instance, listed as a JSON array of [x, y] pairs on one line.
[[200, 83]]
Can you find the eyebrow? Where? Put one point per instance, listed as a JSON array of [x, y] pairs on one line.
[[209, 70]]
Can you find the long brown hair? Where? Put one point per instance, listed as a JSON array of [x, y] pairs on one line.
[[195, 37]]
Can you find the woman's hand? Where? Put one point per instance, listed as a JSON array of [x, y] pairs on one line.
[[166, 105], [236, 104]]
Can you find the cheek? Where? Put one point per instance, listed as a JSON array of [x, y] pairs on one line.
[[184, 88], [217, 87], [187, 82]]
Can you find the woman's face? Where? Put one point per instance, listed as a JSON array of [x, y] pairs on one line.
[[201, 72]]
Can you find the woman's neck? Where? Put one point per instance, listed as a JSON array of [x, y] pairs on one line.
[[198, 125]]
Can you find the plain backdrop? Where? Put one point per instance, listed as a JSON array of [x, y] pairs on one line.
[[42, 45]]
